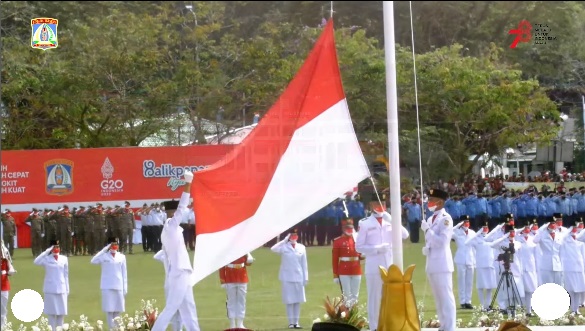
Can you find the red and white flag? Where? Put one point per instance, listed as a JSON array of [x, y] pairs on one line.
[[301, 156]]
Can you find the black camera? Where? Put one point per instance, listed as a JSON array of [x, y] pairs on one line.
[[507, 256]]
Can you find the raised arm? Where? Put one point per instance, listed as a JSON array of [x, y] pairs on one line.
[[184, 202], [440, 239], [97, 259], [40, 260], [279, 246], [160, 256], [405, 233]]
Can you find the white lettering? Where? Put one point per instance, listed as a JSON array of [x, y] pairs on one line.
[[10, 190], [15, 174], [150, 170], [4, 168]]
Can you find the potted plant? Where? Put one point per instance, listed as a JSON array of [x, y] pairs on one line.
[[340, 316]]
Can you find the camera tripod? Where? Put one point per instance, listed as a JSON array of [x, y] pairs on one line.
[[512, 294]]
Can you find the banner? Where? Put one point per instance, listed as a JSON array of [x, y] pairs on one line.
[[51, 178]]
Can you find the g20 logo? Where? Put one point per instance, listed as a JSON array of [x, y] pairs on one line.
[[110, 184]]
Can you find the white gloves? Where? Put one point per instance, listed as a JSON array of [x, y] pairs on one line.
[[48, 250], [42, 235], [72, 234], [106, 231], [424, 226], [383, 248], [425, 251], [459, 225], [336, 280], [287, 237], [223, 286], [250, 259], [188, 176]]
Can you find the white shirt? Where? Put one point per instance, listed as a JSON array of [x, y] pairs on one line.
[[484, 253], [438, 242], [465, 254]]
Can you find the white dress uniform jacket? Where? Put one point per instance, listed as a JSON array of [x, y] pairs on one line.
[[572, 257], [374, 241], [179, 273], [56, 283], [484, 257], [114, 271], [293, 262], [550, 265], [527, 257], [465, 261], [371, 237], [440, 266]]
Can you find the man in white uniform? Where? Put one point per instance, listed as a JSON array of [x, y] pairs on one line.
[[374, 241], [162, 257], [7, 271], [573, 261], [549, 241], [527, 256], [180, 269], [438, 231], [465, 261]]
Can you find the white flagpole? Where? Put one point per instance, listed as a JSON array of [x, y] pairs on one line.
[[392, 113]]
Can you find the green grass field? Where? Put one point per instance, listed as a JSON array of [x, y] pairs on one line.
[[265, 310]]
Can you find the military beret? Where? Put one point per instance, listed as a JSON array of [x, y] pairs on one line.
[[438, 194], [127, 203], [464, 218], [558, 215], [113, 240], [54, 243]]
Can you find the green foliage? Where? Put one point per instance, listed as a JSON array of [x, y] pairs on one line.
[[123, 68]]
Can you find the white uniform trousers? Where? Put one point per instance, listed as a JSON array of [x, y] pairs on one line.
[[442, 287], [548, 276], [236, 300], [180, 299], [350, 287], [374, 286], [465, 283], [176, 324], [3, 307]]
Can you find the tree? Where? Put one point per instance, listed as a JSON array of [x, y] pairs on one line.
[[478, 105]]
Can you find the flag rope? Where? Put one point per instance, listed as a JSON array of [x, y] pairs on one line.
[[422, 209]]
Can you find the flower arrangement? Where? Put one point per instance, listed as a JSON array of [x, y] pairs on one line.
[[142, 320], [337, 310]]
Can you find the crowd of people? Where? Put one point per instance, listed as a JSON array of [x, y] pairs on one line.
[[543, 229]]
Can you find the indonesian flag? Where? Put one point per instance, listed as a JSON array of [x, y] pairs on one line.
[[301, 156]]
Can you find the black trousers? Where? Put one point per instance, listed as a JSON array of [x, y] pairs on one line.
[[144, 231], [414, 227]]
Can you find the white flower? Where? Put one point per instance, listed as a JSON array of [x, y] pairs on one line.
[[65, 327], [130, 326], [325, 316], [35, 328], [317, 320], [343, 314], [99, 323]]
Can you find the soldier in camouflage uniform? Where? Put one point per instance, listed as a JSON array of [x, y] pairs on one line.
[[128, 226], [65, 231], [51, 227], [89, 238], [9, 228], [115, 225], [99, 228], [79, 223], [37, 230]]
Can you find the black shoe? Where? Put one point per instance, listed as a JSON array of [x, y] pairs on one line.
[[468, 306], [298, 326], [463, 306], [529, 315]]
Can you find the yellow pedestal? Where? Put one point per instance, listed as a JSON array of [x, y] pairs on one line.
[[398, 311]]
